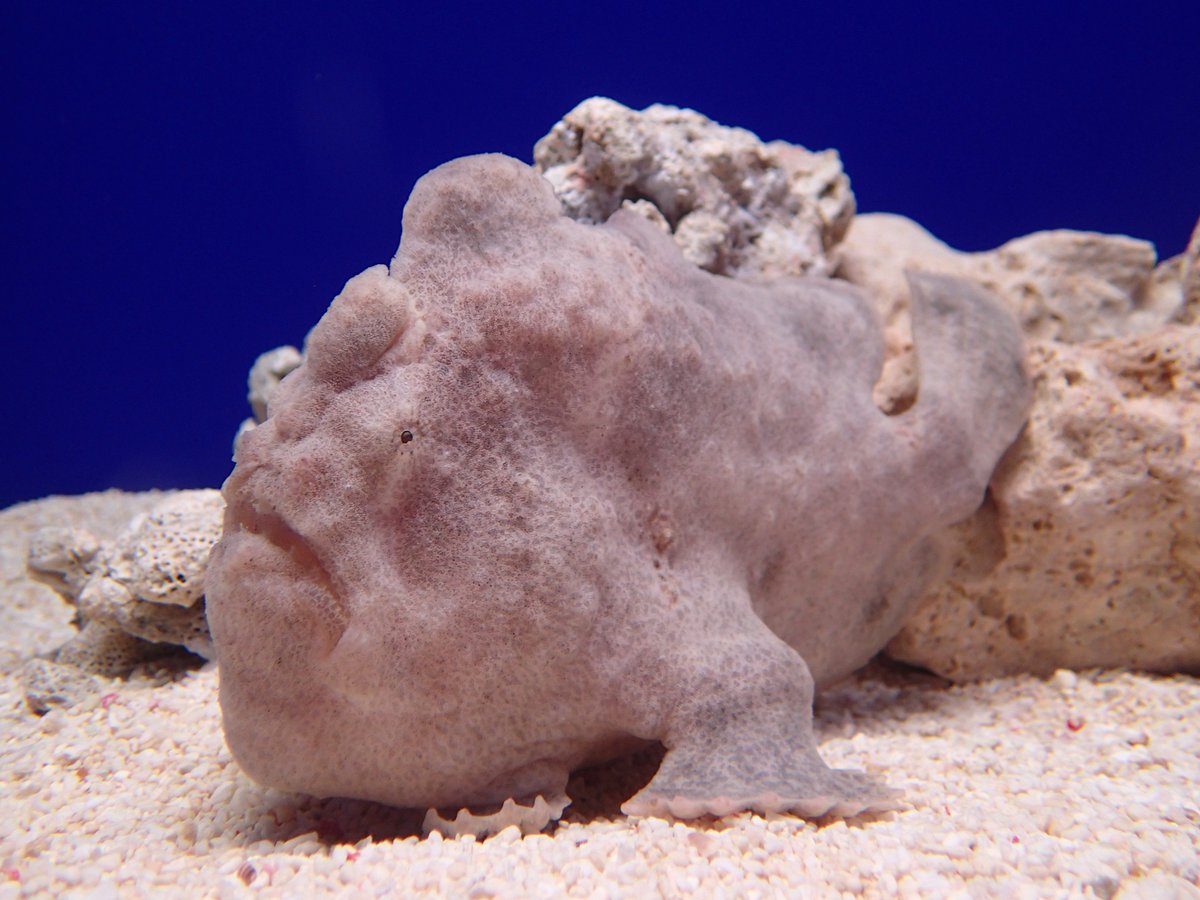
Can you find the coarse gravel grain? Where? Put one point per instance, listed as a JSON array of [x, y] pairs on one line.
[[1084, 784]]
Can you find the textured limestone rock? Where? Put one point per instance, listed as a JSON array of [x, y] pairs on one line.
[[1186, 267], [1067, 286], [1077, 286], [268, 370], [734, 205], [266, 373], [34, 620], [1064, 285], [157, 558], [34, 604], [1093, 527], [1084, 554], [137, 597]]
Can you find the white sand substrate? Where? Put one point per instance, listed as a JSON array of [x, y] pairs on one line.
[[1080, 785]]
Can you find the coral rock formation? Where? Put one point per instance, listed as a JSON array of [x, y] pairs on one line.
[[1082, 557], [1089, 552], [734, 205], [137, 597]]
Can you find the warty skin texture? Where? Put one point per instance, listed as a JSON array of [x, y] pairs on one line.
[[542, 492]]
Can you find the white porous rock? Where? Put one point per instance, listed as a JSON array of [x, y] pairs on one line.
[[135, 595], [64, 535], [163, 555], [1085, 552], [1078, 286], [266, 373], [735, 205], [1088, 550], [63, 558], [159, 557], [33, 605], [151, 581], [1187, 267], [1063, 285], [1068, 286], [268, 370]]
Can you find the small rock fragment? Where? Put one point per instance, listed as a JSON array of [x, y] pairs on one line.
[[138, 597], [1088, 551], [266, 373], [1067, 286], [735, 205]]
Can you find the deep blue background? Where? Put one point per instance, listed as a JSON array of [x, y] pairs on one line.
[[185, 188]]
